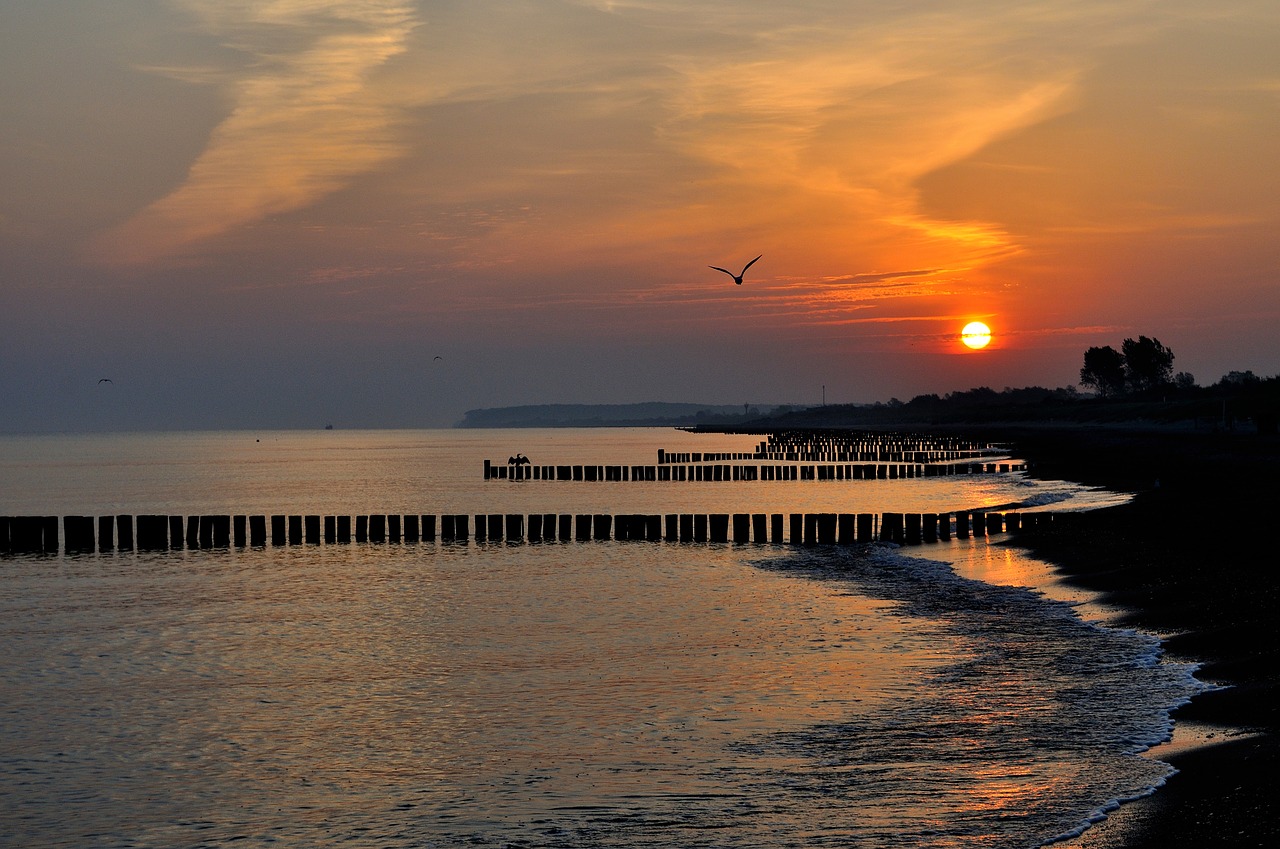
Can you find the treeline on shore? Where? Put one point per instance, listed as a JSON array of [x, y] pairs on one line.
[[1251, 404]]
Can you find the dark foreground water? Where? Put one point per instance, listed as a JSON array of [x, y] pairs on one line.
[[603, 694]]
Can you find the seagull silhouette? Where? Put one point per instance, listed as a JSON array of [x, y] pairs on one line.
[[737, 278], [105, 380]]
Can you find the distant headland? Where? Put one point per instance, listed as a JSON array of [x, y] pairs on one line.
[[646, 414], [1251, 405]]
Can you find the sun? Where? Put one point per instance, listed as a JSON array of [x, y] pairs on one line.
[[976, 335]]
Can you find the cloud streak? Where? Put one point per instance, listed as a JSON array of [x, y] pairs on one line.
[[303, 120]]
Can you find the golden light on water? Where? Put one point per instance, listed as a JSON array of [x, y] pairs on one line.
[[976, 335]]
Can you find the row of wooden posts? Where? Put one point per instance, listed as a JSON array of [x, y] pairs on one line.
[[844, 446], [816, 456], [740, 472], [86, 534]]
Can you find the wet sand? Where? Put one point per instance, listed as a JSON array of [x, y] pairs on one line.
[[1192, 558]]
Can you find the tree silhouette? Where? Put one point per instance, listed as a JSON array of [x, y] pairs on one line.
[[1147, 363], [1104, 370]]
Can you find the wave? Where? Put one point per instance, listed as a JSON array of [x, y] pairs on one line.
[[1031, 729]]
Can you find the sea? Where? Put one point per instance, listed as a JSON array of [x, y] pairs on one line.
[[550, 694]]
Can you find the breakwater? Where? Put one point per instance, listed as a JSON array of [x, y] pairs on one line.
[[709, 467], [126, 532], [785, 456]]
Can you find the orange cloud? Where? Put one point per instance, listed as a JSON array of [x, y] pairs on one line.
[[302, 120]]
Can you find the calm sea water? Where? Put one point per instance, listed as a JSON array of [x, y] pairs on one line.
[[605, 694]]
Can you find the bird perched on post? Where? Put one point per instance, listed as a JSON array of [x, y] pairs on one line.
[[737, 278]]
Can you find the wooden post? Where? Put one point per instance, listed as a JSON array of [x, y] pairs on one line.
[[49, 534], [446, 527], [220, 531], [124, 532], [847, 524], [535, 527], [344, 529], [653, 528], [429, 527], [827, 528], [600, 525], [582, 527], [891, 529], [311, 529], [153, 532], [175, 532], [995, 523], [257, 530], [719, 527], [461, 527], [277, 530], [979, 523], [796, 534], [866, 527], [686, 527], [26, 534], [930, 531], [810, 528], [412, 527], [672, 527], [394, 525], [944, 526], [515, 527], [1013, 521], [378, 528], [700, 527], [77, 533], [362, 528], [962, 524], [760, 527], [912, 533], [295, 530], [741, 528]]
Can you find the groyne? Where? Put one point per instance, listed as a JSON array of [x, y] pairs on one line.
[[709, 467], [785, 456], [150, 532]]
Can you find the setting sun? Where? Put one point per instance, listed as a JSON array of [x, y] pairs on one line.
[[975, 335]]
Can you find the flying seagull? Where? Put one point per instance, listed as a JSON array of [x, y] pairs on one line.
[[737, 278], [104, 380]]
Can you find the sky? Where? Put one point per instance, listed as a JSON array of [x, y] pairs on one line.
[[293, 213]]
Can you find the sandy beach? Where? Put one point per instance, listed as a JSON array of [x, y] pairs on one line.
[[1191, 559]]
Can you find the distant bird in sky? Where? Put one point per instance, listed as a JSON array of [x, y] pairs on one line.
[[105, 380], [737, 278], [438, 357]]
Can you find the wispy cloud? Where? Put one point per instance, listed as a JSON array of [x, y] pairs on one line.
[[302, 119]]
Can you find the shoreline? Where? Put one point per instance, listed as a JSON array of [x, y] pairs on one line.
[[1187, 559]]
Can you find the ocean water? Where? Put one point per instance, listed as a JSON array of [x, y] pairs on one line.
[[621, 694]]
